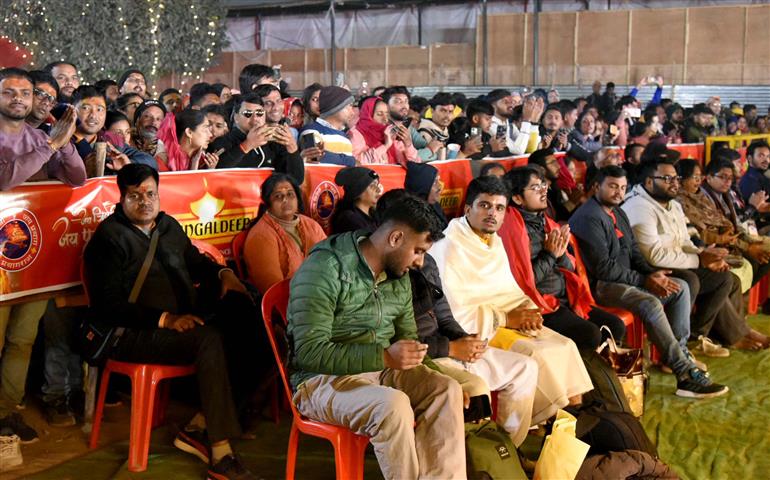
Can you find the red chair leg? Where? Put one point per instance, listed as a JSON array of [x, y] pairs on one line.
[[142, 403], [344, 462], [291, 453], [161, 402], [98, 413]]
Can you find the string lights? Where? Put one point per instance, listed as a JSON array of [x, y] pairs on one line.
[[104, 38]]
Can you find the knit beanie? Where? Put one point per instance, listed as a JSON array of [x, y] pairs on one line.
[[333, 99], [355, 180], [420, 178], [145, 105], [126, 74]]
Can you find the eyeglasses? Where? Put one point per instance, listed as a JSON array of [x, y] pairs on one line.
[[669, 179], [43, 96], [725, 178], [136, 197], [539, 188], [249, 113], [697, 178]]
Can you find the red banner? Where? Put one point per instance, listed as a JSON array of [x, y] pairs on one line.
[[44, 226]]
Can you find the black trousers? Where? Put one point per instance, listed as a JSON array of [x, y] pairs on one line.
[[201, 346], [585, 333], [759, 270], [231, 353], [718, 304]]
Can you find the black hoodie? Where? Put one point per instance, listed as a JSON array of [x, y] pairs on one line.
[[419, 181]]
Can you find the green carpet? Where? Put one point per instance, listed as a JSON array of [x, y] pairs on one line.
[[721, 438]]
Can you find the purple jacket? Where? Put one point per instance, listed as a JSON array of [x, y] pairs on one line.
[[24, 155]]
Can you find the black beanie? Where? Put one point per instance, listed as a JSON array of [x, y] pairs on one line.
[[124, 76], [355, 180], [333, 99], [147, 104], [420, 178]]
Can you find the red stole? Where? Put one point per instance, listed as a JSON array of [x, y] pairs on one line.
[[516, 242]]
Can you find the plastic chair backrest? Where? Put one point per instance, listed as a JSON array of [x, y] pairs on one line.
[[276, 299], [239, 241], [209, 250]]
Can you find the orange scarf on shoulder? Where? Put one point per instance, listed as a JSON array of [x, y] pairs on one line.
[[516, 242]]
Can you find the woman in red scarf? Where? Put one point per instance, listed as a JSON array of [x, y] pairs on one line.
[[186, 136], [372, 139], [292, 109]]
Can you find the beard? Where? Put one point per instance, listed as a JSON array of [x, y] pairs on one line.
[[8, 113], [661, 195], [149, 134]]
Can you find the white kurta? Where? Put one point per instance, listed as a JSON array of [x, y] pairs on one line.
[[481, 290]]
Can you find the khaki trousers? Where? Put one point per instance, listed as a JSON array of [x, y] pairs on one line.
[[414, 418], [18, 329]]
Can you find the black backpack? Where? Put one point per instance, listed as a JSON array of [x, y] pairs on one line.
[[607, 390], [607, 431]]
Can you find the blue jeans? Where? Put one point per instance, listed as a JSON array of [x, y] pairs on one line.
[[666, 320], [63, 367]]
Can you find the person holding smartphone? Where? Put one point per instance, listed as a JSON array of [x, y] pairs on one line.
[[377, 140], [470, 132], [251, 143]]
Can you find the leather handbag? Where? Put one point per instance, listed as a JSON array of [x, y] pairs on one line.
[[628, 364], [97, 338]]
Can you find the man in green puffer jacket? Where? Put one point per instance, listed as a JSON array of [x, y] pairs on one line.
[[354, 353]]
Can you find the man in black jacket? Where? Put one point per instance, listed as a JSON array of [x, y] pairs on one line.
[[621, 277], [253, 143], [165, 324]]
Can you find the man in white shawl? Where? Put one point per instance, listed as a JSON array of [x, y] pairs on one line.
[[486, 300]]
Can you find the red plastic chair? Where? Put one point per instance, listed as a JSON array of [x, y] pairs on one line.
[[349, 448], [148, 403], [634, 326], [209, 250]]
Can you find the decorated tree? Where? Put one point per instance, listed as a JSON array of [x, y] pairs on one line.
[[105, 37]]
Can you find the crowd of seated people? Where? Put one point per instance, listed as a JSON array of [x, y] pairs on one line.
[[390, 317]]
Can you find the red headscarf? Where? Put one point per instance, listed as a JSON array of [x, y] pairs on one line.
[[373, 132], [287, 104]]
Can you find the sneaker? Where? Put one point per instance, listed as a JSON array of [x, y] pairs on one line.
[[230, 467], [697, 384], [58, 413], [711, 348], [195, 442], [15, 423], [10, 452]]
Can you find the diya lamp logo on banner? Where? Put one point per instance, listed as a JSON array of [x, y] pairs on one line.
[[209, 220]]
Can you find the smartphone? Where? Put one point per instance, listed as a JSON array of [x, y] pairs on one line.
[[407, 122], [307, 140], [475, 131], [634, 112], [501, 131], [277, 72], [283, 121], [613, 130]]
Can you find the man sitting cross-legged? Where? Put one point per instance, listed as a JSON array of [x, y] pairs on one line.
[[354, 352]]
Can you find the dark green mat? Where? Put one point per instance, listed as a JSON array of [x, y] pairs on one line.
[[721, 438]]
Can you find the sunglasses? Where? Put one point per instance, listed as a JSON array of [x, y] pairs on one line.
[[249, 113], [43, 96]]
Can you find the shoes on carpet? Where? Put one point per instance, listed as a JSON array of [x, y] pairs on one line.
[[16, 424], [58, 413], [711, 348], [696, 383], [194, 442], [230, 468], [10, 452]]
